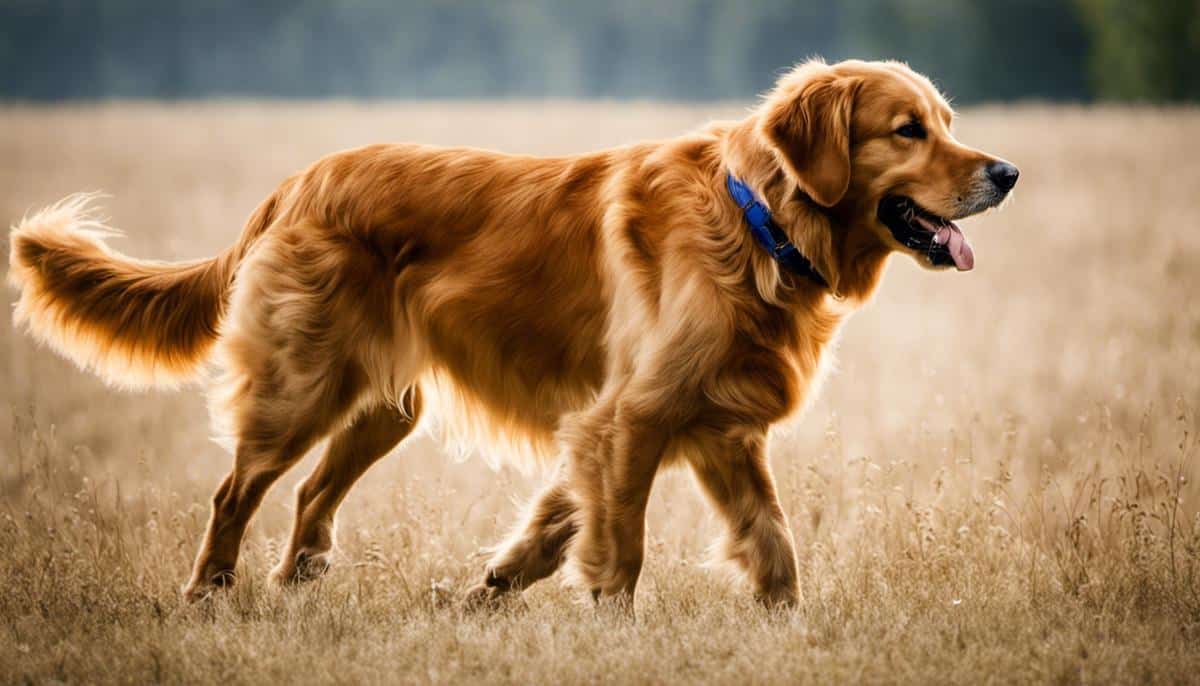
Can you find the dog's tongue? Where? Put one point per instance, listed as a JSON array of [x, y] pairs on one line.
[[952, 237]]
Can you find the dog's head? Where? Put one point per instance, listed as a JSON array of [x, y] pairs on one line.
[[873, 141]]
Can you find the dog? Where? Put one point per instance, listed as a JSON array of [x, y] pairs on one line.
[[617, 312]]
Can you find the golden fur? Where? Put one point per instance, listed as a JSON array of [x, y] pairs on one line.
[[610, 309]]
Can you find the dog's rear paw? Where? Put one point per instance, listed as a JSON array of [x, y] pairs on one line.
[[311, 567], [306, 567], [199, 590]]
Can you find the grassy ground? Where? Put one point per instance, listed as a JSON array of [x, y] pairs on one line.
[[998, 484]]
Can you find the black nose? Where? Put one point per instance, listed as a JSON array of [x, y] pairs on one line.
[[1003, 174]]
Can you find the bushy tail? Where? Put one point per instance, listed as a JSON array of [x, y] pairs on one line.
[[133, 322]]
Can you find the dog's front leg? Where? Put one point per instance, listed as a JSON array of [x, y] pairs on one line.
[[614, 455], [531, 553], [732, 468]]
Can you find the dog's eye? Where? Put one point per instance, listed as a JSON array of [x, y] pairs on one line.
[[911, 130]]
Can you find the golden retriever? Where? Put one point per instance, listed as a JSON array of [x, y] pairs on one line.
[[611, 310]]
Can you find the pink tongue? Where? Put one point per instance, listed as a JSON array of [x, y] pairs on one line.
[[951, 236]]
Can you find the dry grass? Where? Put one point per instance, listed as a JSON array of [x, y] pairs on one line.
[[998, 484]]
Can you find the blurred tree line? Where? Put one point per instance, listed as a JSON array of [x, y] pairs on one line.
[[677, 49]]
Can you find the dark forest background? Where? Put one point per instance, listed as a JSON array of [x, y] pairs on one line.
[[978, 50]]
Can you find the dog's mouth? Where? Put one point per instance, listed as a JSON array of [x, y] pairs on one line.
[[927, 235]]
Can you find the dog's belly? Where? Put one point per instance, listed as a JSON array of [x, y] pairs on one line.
[[525, 362], [519, 334]]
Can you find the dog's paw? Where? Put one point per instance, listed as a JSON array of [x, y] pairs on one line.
[[783, 598], [204, 589], [306, 567], [483, 598], [614, 605], [310, 567]]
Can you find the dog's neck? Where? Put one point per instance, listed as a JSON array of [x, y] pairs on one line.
[[850, 257]]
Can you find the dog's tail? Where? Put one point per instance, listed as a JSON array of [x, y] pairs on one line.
[[133, 322]]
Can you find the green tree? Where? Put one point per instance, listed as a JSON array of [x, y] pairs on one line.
[[1146, 50]]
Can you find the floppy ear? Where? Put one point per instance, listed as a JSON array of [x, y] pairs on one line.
[[807, 120]]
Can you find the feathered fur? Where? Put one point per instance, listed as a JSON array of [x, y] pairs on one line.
[[609, 310], [133, 322]]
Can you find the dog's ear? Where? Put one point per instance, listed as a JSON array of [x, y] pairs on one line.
[[806, 119]]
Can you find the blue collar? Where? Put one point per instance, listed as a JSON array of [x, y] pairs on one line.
[[769, 234]]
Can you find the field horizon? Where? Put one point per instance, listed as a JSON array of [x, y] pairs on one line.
[[996, 484]]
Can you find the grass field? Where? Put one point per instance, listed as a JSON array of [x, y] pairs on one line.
[[997, 485]]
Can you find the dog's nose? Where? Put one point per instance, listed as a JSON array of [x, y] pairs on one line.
[[1003, 174]]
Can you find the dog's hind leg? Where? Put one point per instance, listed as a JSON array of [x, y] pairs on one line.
[[266, 449], [288, 347], [350, 454], [534, 552], [277, 424]]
